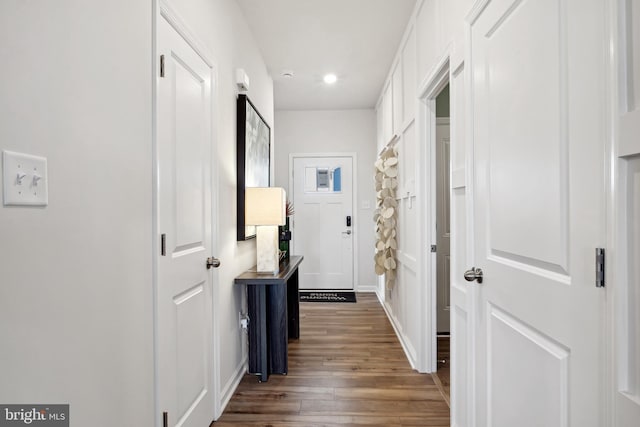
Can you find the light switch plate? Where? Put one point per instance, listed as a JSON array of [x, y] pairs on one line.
[[25, 179]]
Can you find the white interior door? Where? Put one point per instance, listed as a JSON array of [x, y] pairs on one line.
[[627, 281], [463, 297], [322, 232], [184, 298], [443, 224], [538, 133]]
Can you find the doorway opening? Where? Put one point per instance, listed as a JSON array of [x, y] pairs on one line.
[[435, 154], [443, 237]]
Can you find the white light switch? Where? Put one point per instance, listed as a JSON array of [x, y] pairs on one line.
[[25, 179]]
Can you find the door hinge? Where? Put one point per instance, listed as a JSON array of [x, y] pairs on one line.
[[599, 267], [163, 244], [433, 248], [161, 65]]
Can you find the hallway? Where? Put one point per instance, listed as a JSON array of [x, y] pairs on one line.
[[348, 368]]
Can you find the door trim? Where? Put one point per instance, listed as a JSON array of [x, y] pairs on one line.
[[163, 10], [179, 24], [354, 198], [427, 93], [614, 272]]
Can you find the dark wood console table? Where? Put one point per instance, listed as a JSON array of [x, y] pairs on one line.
[[273, 317]]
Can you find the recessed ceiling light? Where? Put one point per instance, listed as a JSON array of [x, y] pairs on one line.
[[287, 74], [330, 79]]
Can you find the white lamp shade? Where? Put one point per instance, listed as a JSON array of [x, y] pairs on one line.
[[265, 206]]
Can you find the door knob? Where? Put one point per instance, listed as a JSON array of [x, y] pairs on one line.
[[346, 232], [473, 274], [213, 262]]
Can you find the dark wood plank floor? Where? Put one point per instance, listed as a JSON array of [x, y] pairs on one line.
[[347, 369], [442, 376]]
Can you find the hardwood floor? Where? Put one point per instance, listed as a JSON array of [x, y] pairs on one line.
[[442, 376], [347, 369]]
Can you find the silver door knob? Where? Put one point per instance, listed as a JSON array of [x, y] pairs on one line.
[[213, 262], [346, 232], [473, 274]]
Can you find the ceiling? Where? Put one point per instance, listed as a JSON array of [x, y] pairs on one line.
[[354, 39]]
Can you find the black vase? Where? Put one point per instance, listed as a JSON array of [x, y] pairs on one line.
[[285, 238]]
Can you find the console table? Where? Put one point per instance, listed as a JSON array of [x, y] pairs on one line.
[[273, 316]]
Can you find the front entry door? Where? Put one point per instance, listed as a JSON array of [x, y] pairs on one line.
[[323, 228], [184, 346], [538, 134]]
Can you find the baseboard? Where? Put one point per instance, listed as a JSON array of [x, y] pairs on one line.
[[367, 288], [406, 347], [380, 297], [233, 383]]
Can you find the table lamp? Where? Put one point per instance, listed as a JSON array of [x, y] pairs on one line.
[[265, 207]]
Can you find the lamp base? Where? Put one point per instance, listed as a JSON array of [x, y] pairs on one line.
[[267, 249]]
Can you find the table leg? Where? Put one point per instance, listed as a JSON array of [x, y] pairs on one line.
[[278, 337], [264, 358], [293, 306]]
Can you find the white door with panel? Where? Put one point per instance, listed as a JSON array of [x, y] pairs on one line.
[[443, 224], [323, 222], [184, 297], [626, 308], [538, 129], [463, 297]]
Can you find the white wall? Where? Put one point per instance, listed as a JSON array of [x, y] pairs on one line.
[[336, 132], [221, 26], [76, 322], [76, 300], [435, 28]]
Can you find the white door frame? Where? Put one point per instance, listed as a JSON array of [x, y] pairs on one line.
[[427, 93], [163, 10], [354, 197]]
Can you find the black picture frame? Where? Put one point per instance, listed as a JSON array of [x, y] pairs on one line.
[[253, 158]]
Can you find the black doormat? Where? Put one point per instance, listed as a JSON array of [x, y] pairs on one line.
[[327, 296]]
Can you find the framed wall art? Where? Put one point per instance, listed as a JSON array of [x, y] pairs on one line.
[[253, 159]]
